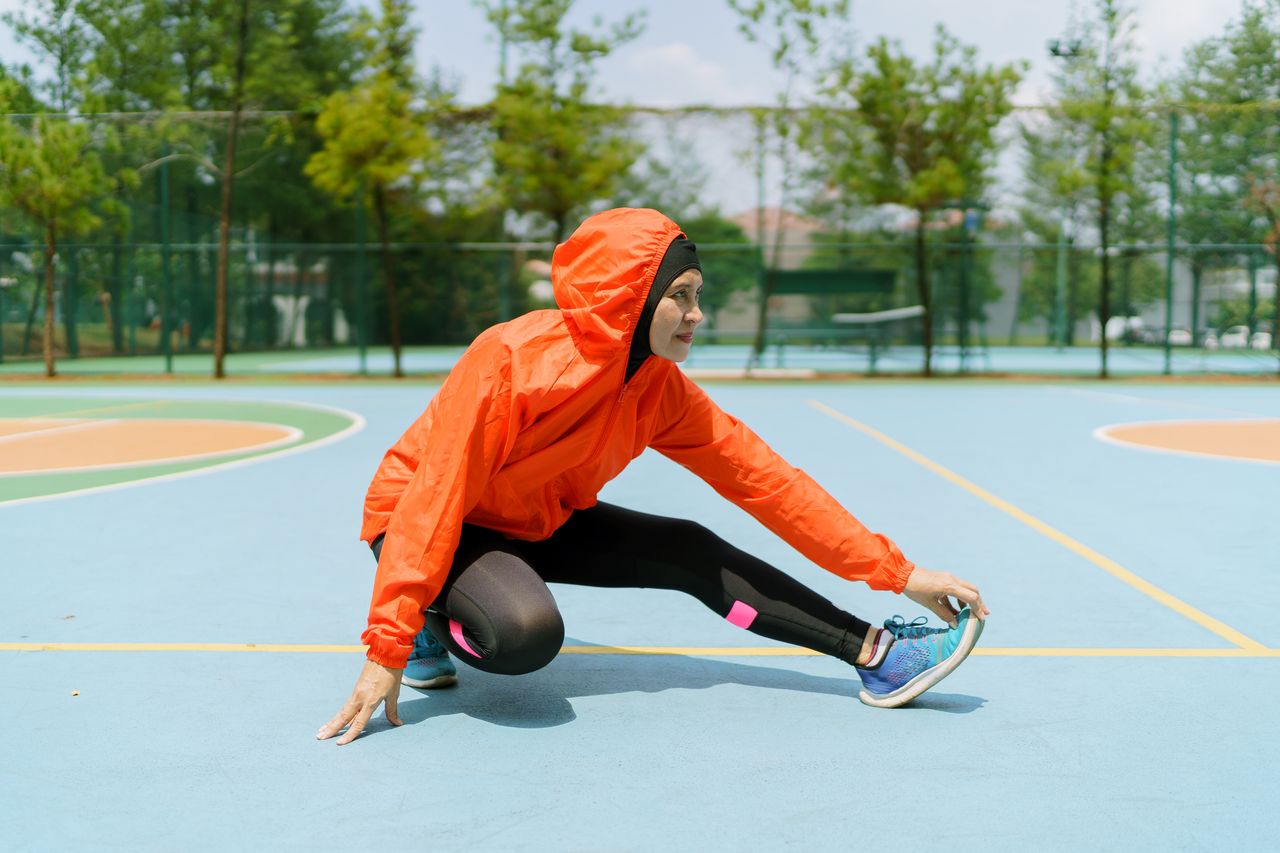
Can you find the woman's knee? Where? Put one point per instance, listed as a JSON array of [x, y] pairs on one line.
[[499, 617]]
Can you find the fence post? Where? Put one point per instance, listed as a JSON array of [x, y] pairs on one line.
[[1060, 285], [1253, 294], [70, 301], [1169, 238], [166, 280], [362, 285]]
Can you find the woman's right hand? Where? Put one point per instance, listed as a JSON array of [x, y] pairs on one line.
[[376, 684], [934, 591]]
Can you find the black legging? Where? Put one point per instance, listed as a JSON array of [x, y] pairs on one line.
[[496, 613]]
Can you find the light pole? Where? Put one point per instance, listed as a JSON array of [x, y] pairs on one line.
[[1062, 49]]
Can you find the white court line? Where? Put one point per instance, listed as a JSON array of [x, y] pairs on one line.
[[1102, 435], [68, 427], [357, 423], [1153, 401]]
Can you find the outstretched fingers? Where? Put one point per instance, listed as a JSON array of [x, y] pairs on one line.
[[339, 720], [357, 725]]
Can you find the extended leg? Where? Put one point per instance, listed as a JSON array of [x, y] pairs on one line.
[[610, 546]]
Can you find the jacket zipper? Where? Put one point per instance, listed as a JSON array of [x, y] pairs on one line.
[[608, 424]]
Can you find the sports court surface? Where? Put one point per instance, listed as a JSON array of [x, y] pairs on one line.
[[184, 588]]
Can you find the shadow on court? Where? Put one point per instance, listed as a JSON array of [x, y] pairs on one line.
[[542, 699]]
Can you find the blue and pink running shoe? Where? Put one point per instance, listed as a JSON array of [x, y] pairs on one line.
[[919, 658], [429, 666]]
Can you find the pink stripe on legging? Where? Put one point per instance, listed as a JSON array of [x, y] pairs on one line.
[[455, 631], [742, 615]]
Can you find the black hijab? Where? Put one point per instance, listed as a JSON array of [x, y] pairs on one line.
[[680, 256]]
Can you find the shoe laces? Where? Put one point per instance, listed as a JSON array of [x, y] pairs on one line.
[[918, 627]]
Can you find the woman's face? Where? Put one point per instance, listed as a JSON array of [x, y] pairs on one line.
[[677, 315]]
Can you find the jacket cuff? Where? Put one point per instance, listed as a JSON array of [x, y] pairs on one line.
[[387, 651], [893, 572]]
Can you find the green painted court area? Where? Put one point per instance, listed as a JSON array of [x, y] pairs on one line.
[[311, 423]]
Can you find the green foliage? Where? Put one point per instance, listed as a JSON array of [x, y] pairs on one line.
[[1235, 312], [729, 260], [1093, 169], [51, 172], [130, 64], [1229, 142], [554, 152], [909, 134], [16, 89], [791, 29], [54, 30], [373, 133]]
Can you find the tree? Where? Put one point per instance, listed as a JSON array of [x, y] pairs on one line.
[[376, 146], [129, 69], [917, 135], [1056, 202], [791, 30], [55, 30], [1228, 141], [1104, 110], [553, 151], [52, 175]]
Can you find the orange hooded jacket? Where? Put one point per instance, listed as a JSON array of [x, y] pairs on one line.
[[536, 417]]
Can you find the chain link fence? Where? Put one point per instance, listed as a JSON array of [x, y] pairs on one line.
[[1013, 285]]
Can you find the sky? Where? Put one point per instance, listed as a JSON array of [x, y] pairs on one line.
[[691, 51]]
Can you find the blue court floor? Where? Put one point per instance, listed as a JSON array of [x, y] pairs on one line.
[[168, 649]]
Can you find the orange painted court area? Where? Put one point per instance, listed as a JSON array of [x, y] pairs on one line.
[[34, 445], [1257, 440]]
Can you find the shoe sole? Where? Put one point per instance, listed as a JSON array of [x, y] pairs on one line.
[[931, 676], [429, 683]]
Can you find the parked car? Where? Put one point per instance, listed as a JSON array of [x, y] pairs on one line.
[[1235, 337], [1179, 337], [1210, 340], [1260, 340]]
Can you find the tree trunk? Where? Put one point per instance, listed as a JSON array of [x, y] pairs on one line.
[[1073, 287], [922, 287], [762, 314], [224, 218], [1196, 270], [50, 252], [393, 307], [70, 302], [31, 318]]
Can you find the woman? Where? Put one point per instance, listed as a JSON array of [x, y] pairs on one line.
[[491, 493]]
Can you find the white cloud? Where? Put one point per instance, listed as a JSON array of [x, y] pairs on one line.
[[674, 74]]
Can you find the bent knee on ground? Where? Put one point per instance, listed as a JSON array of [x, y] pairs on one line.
[[500, 617]]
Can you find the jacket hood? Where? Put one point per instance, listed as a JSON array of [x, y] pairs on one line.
[[602, 274]]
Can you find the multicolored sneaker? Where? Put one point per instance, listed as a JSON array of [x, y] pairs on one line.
[[429, 665], [919, 658]]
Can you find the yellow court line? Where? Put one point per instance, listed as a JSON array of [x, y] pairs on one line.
[[694, 651], [1105, 563]]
